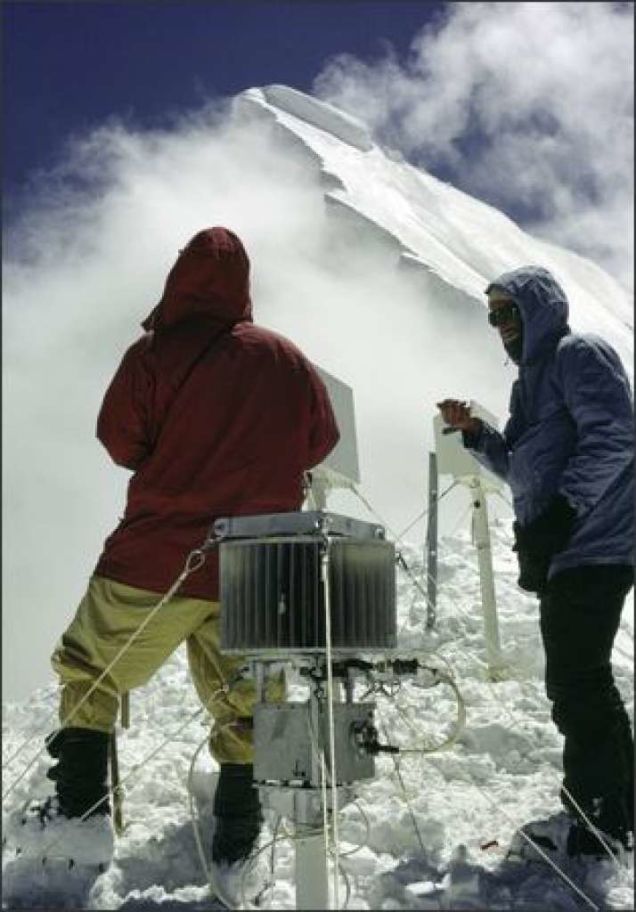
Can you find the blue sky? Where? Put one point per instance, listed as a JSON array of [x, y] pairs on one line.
[[68, 66], [525, 105]]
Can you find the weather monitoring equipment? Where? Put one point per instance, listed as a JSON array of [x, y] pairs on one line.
[[316, 590]]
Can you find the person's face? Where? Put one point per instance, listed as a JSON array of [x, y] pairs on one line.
[[503, 310]]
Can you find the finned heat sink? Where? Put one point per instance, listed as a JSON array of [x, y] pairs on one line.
[[273, 595]]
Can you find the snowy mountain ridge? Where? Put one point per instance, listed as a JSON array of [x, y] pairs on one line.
[[438, 227]]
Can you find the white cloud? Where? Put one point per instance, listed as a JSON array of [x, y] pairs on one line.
[[526, 105]]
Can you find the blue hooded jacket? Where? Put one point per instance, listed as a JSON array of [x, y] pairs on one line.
[[570, 430]]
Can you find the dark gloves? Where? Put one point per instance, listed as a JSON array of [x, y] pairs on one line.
[[537, 542]]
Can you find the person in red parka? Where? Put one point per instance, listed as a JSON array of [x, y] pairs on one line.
[[215, 417]]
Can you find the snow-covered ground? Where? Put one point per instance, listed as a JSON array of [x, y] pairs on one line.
[[433, 837]]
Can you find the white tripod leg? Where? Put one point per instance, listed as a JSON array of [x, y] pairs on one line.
[[481, 532]]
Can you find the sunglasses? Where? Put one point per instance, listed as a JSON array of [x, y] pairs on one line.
[[504, 314]]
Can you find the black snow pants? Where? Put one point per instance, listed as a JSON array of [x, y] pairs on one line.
[[580, 613]]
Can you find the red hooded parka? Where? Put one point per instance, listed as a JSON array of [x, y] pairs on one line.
[[216, 416]]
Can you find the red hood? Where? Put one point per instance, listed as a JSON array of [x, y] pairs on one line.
[[209, 278]]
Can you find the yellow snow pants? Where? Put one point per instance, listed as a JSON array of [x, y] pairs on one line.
[[107, 616]]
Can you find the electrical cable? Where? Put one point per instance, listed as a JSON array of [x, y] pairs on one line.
[[398, 539], [315, 831], [398, 773], [330, 715], [528, 839], [367, 833], [295, 837], [451, 739], [535, 846], [427, 510], [426, 575]]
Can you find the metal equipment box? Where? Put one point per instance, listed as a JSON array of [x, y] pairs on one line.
[[284, 741]]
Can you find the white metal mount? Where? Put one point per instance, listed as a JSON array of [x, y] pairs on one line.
[[454, 459], [481, 538]]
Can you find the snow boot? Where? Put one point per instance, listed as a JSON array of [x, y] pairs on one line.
[[238, 875], [51, 830], [81, 773], [237, 814], [610, 817]]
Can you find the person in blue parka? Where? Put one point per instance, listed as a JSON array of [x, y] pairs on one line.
[[567, 453]]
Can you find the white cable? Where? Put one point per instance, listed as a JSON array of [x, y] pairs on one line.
[[499, 808], [272, 866], [208, 870], [459, 726], [399, 540], [595, 831], [332, 733], [534, 845], [398, 773], [325, 814], [189, 568], [427, 510], [427, 576], [324, 778], [294, 837]]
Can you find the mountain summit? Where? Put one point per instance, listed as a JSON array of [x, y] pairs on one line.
[[432, 226]]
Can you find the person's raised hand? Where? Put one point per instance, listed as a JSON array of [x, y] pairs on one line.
[[456, 414]]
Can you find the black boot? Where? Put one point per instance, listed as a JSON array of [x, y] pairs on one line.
[[81, 773], [237, 812], [81, 789], [609, 816]]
